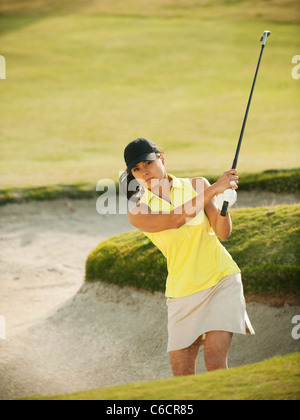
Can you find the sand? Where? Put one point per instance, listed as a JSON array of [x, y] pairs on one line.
[[63, 335]]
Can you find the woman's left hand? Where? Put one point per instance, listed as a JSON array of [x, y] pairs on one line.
[[229, 195]]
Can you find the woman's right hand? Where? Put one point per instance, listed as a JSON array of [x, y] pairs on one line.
[[224, 182]]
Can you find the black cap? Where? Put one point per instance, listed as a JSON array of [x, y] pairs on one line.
[[139, 150]]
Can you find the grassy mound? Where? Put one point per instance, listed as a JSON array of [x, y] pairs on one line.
[[274, 379], [265, 246]]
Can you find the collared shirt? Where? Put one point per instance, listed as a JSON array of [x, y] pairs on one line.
[[195, 257]]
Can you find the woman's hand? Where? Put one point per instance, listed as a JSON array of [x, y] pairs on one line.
[[229, 195], [228, 180]]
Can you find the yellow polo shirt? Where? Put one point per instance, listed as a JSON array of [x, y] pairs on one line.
[[196, 259]]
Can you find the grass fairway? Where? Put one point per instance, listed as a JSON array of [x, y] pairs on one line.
[[274, 379], [80, 86], [276, 10]]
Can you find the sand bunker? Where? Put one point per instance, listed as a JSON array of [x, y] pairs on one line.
[[107, 336], [64, 336]]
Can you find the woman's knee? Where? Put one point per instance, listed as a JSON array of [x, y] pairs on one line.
[[214, 361]]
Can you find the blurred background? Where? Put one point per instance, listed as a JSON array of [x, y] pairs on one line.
[[85, 77]]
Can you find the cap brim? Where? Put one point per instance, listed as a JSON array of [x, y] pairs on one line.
[[141, 158]]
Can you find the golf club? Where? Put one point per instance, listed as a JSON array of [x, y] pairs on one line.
[[263, 39]]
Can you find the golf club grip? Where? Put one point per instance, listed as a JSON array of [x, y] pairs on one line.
[[224, 208]]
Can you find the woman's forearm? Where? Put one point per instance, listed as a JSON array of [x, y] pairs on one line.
[[191, 208], [223, 226]]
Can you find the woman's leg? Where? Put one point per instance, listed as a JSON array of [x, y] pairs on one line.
[[216, 349], [183, 362]]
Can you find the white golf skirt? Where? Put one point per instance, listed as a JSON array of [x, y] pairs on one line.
[[220, 308]]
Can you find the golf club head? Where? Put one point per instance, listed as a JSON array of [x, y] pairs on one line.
[[264, 37]]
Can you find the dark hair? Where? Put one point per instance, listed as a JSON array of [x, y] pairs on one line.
[[130, 187], [133, 189]]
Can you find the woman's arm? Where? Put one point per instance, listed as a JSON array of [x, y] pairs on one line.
[[144, 219], [222, 226]]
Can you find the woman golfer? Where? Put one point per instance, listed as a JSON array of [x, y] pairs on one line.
[[204, 291]]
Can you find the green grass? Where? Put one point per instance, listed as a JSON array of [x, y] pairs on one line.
[[51, 192], [266, 248], [274, 379], [275, 10], [80, 86]]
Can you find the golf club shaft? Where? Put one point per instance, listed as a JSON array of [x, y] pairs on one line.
[[234, 165]]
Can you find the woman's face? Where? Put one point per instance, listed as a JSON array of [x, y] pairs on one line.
[[150, 173]]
